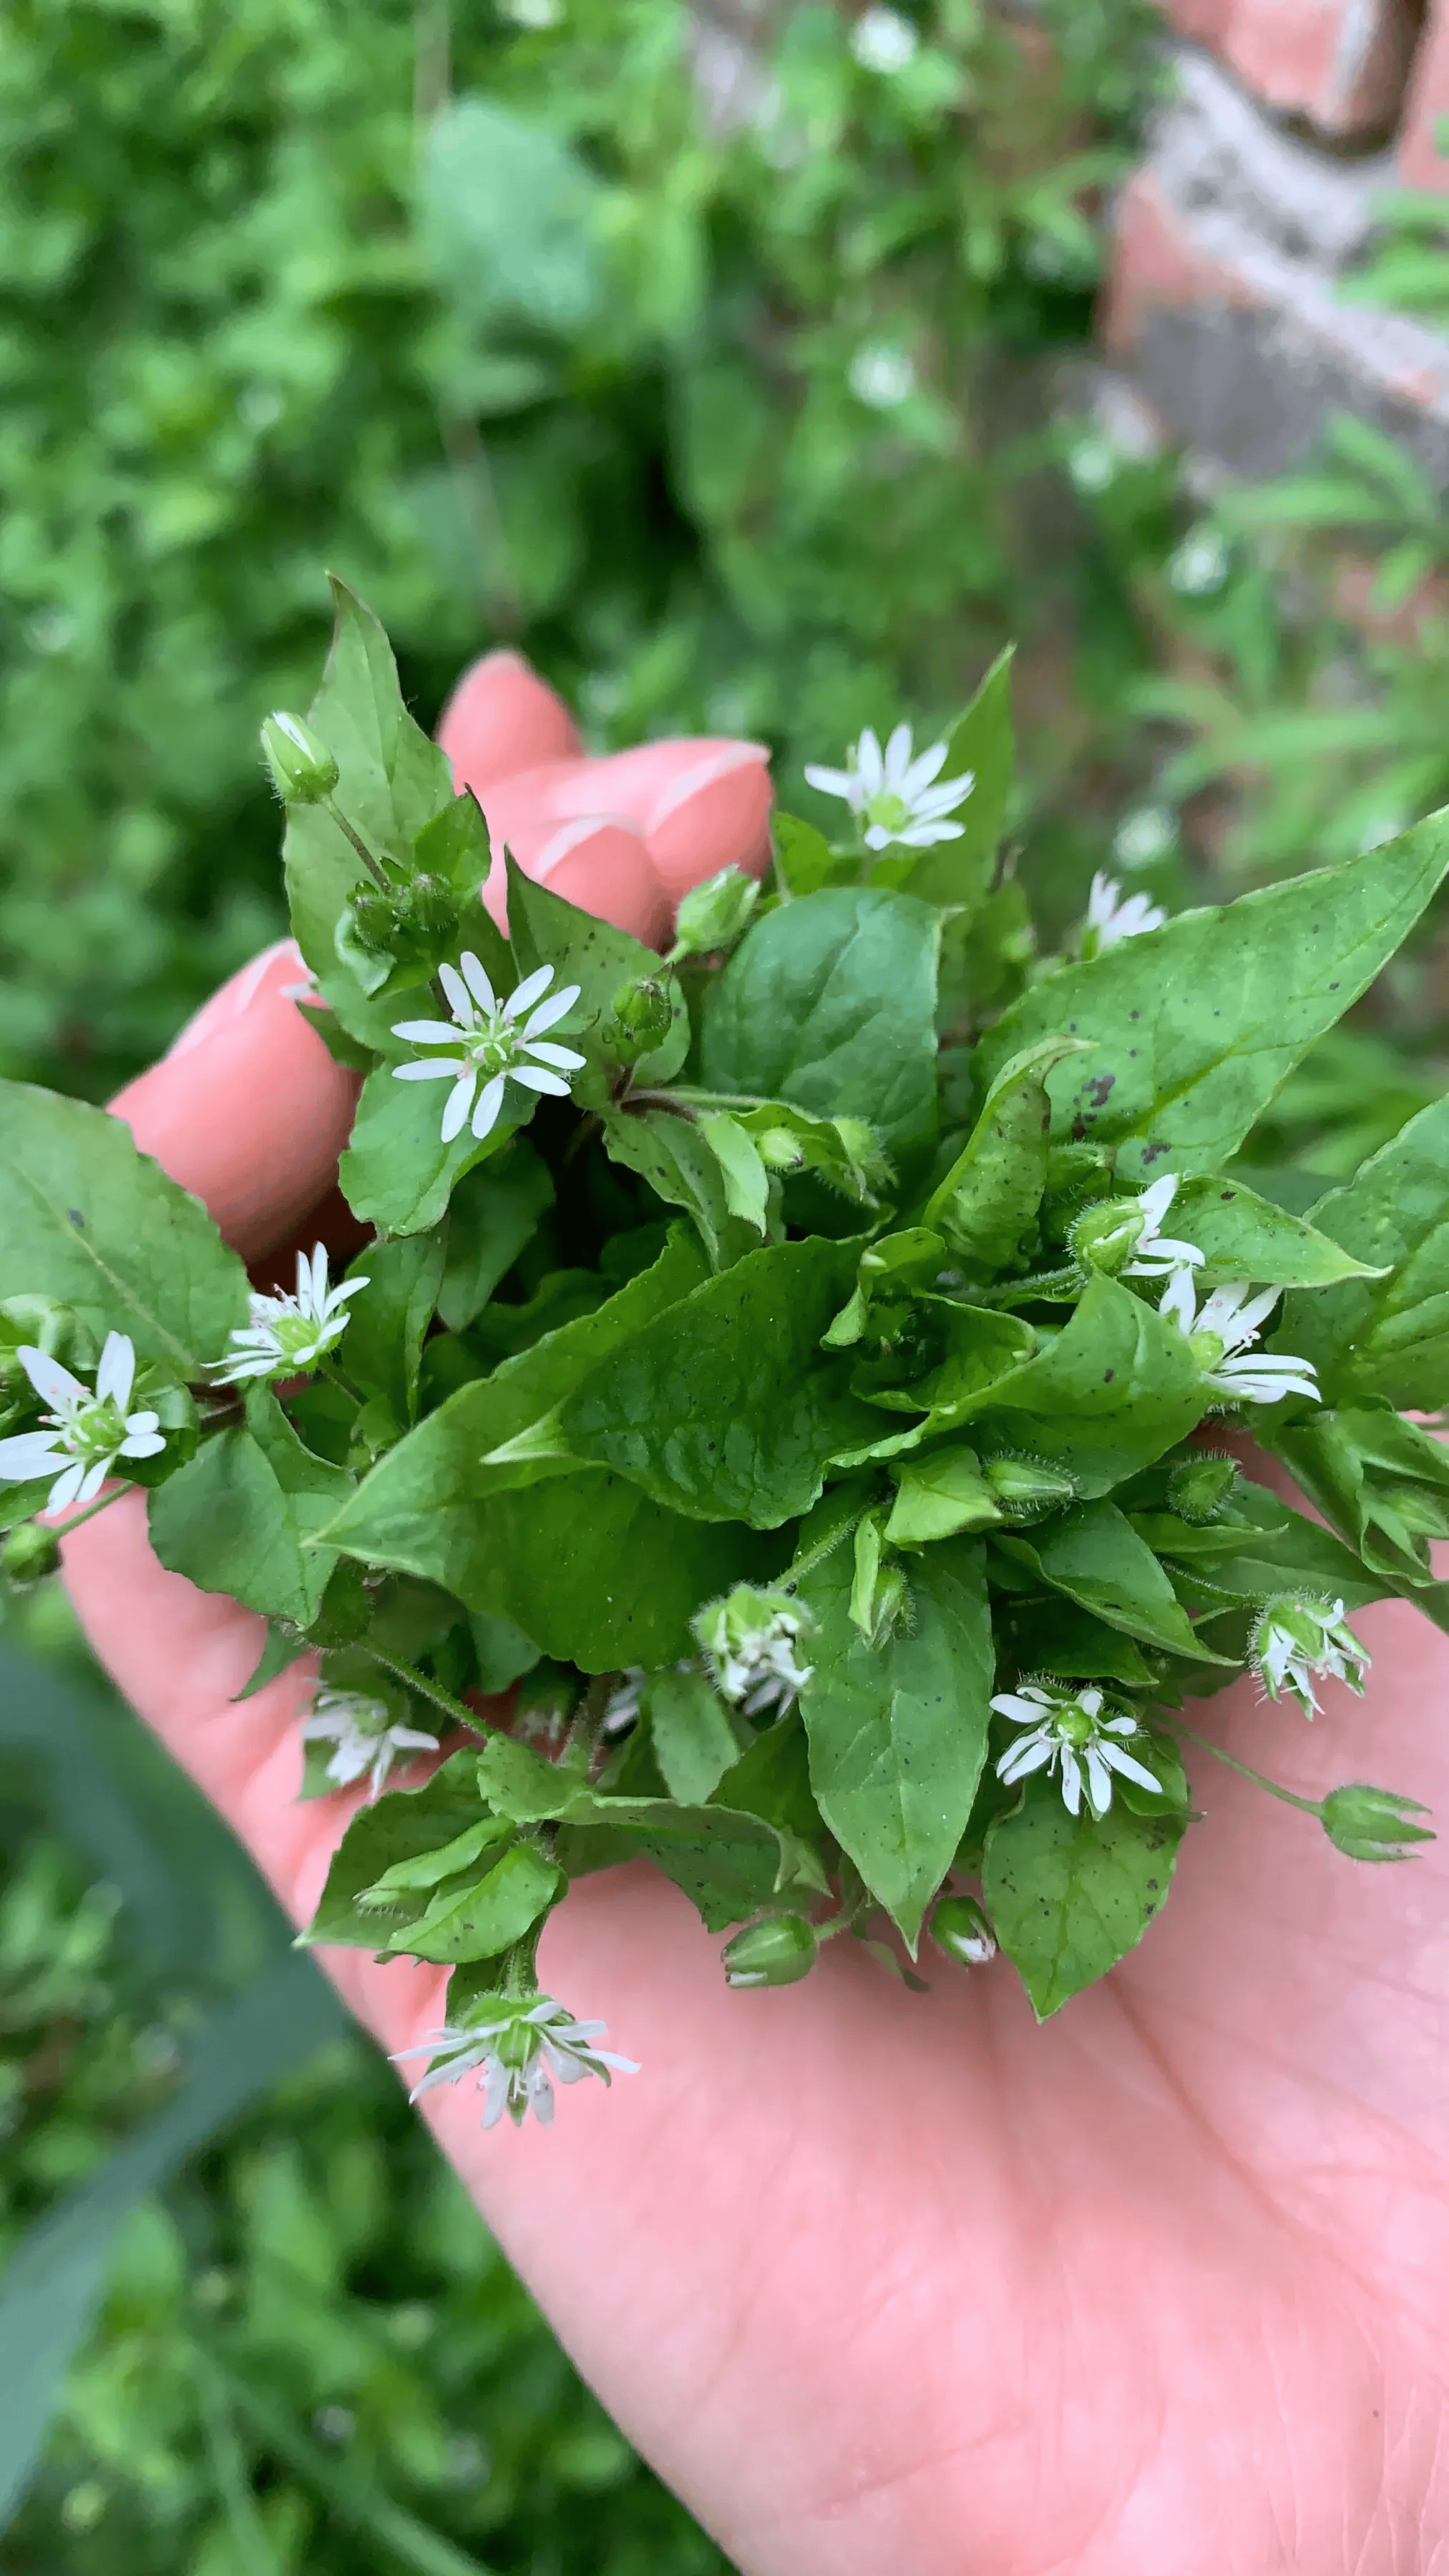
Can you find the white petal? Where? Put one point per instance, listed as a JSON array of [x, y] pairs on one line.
[[346, 1288], [427, 1032], [869, 765], [878, 838], [1157, 1199], [458, 1104], [51, 1380], [496, 2094], [460, 1000], [93, 1479], [924, 836], [557, 1007], [438, 1068], [531, 990], [1025, 1706], [1090, 1700], [833, 782], [67, 1487], [538, 1078], [566, 1057], [410, 1739], [116, 1374], [898, 758], [142, 1444], [31, 1454], [928, 764], [1071, 1781], [1033, 1753], [490, 1101], [1252, 1317], [1099, 1782], [1179, 1300], [1130, 1767], [478, 981], [933, 802], [1222, 1310]]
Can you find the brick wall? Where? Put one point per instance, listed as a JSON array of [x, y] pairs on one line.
[[1290, 120]]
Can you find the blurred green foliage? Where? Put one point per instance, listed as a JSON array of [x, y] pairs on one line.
[[739, 384]]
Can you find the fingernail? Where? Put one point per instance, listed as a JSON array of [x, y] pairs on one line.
[[237, 995], [717, 815]]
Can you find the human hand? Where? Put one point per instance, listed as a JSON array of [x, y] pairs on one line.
[[890, 2285]]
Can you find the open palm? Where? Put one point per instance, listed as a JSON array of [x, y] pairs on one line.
[[890, 2285]]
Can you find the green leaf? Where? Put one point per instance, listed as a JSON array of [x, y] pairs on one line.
[[728, 1409], [746, 1181], [480, 1921], [898, 1731], [396, 1172], [940, 1495], [1380, 1480], [1245, 1237], [772, 1779], [802, 855], [681, 1167], [983, 742], [392, 782], [238, 1517], [830, 1003], [1194, 1027], [55, 2277], [1389, 1336], [1115, 1389], [993, 1190], [493, 1213], [1095, 1556], [547, 931], [911, 1258], [89, 1221], [510, 219], [1069, 1896], [694, 1742], [382, 1349], [403, 1827]]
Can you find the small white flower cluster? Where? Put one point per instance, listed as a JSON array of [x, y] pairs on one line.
[[522, 2048], [288, 1334], [489, 1046], [749, 1640], [1068, 1732], [1296, 1643], [893, 794], [1218, 1335], [365, 1734], [88, 1431]]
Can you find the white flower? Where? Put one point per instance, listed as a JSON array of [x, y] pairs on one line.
[[1144, 836], [1201, 564], [1093, 463], [1111, 916], [881, 377], [88, 1431], [289, 1334], [1125, 1237], [518, 2047], [1296, 1640], [491, 1043], [1067, 1732], [893, 794], [623, 1703], [749, 1641], [884, 41], [365, 1734], [1230, 1320]]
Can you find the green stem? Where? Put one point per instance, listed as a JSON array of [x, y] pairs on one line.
[[416, 1681], [103, 1504], [1290, 1798], [1050, 1284], [373, 865]]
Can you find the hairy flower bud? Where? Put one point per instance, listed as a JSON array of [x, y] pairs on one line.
[[1200, 1488], [962, 1928], [777, 1951], [29, 1553], [1025, 1486], [1107, 1233], [779, 1151], [1371, 1824], [713, 914], [371, 920], [303, 769], [641, 1017], [431, 907]]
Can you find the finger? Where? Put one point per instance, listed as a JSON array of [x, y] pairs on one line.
[[248, 1110], [502, 717], [701, 805], [598, 861]]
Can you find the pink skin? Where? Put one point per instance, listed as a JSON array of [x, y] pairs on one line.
[[904, 2286]]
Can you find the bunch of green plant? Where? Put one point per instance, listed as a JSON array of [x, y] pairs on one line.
[[520, 330], [291, 2342], [849, 1535]]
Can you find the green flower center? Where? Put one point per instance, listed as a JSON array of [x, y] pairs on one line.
[[95, 1431], [493, 1047], [888, 812], [1209, 1350], [1075, 1726], [298, 1333]]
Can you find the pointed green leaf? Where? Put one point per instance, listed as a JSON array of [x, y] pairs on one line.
[[400, 1828], [1115, 1389], [492, 1214], [677, 1161], [1390, 1336], [1244, 1237], [1194, 1027], [982, 741], [396, 1172], [694, 1742], [1070, 1896], [479, 1921], [993, 1190], [1095, 1556], [239, 1516]]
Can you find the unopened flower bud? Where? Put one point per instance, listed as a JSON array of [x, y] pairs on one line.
[[303, 769], [1024, 1486], [29, 1553], [778, 1951], [779, 1151], [1107, 1233], [962, 1928], [641, 1017], [1372, 1824], [1199, 1489], [713, 914], [372, 921]]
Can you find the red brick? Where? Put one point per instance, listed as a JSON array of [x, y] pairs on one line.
[[1421, 164], [1342, 64]]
